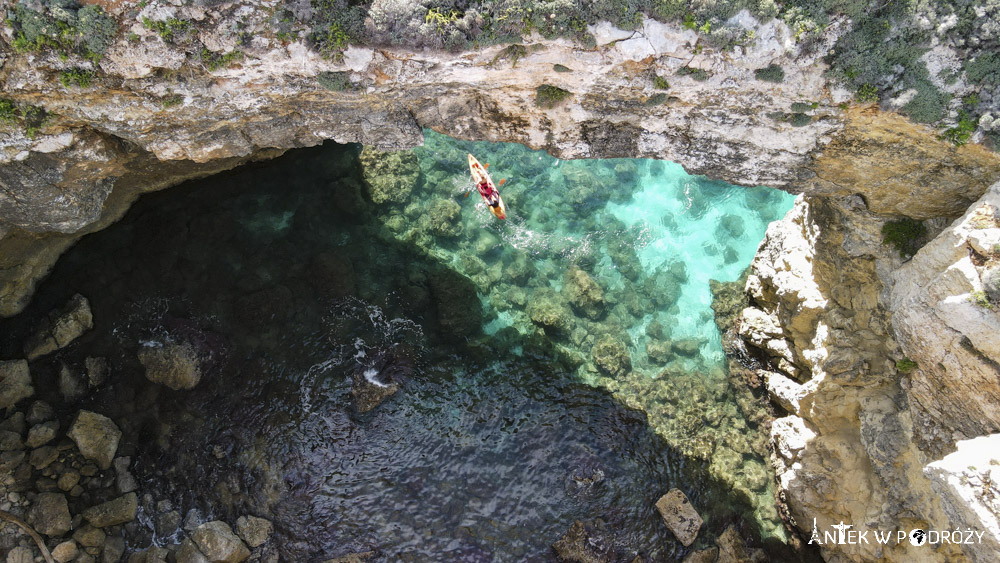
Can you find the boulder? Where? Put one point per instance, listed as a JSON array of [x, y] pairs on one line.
[[15, 382], [20, 554], [10, 441], [255, 531], [219, 544], [96, 437], [114, 548], [678, 514], [117, 511], [188, 553], [370, 388], [65, 552], [41, 434], [390, 176], [43, 457], [97, 371], [50, 514], [60, 328], [125, 480], [89, 536], [611, 356], [732, 547], [584, 295], [584, 542], [175, 365]]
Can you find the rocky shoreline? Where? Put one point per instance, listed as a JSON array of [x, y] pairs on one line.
[[73, 484]]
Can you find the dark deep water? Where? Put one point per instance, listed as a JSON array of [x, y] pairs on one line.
[[290, 287]]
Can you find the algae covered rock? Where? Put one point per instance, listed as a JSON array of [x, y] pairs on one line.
[[444, 218], [389, 176], [584, 294], [547, 311], [611, 356]]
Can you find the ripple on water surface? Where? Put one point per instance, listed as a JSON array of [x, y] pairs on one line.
[[295, 284]]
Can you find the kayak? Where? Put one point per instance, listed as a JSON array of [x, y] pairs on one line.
[[479, 174]]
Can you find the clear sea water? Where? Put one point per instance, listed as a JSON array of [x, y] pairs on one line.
[[292, 284]]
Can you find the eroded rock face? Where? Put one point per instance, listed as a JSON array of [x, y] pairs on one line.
[[815, 290], [946, 322], [85, 166]]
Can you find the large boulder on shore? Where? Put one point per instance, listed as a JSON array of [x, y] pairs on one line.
[[219, 544], [15, 383], [116, 511], [96, 437], [50, 514]]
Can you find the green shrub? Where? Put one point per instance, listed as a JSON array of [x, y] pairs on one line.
[[961, 133], [696, 73], [215, 61], [8, 111], [928, 106], [561, 68], [331, 42], [980, 298], [335, 81], [660, 83], [547, 95], [168, 29], [905, 235], [79, 77], [906, 365], [512, 53], [984, 70], [866, 94], [770, 73], [171, 100], [96, 28]]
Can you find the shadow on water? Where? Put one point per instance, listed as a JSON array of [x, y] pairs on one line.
[[280, 279]]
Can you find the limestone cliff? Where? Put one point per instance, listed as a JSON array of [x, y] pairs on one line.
[[165, 106], [828, 306], [880, 367]]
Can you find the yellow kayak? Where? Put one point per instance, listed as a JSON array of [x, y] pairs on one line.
[[487, 188]]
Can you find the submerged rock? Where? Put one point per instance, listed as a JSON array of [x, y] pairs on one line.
[[389, 175], [255, 531], [175, 365], [368, 391], [584, 543], [219, 544], [611, 356], [444, 218], [678, 514], [96, 436], [584, 294], [546, 310], [60, 328], [15, 383]]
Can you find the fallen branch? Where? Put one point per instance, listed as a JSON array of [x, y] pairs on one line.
[[31, 532]]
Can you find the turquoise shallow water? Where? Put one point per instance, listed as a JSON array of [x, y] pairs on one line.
[[528, 398]]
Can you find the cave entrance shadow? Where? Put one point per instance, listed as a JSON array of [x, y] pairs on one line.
[[253, 265]]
